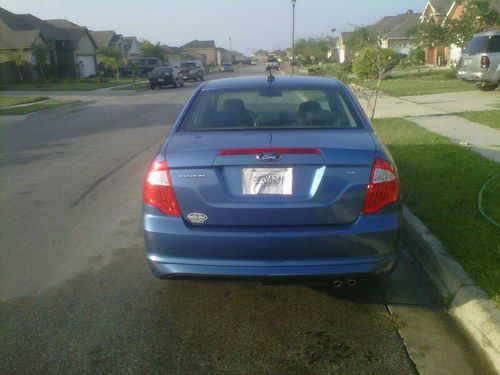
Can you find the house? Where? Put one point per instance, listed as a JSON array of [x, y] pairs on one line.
[[223, 55], [437, 11], [131, 47], [176, 55], [60, 47], [393, 32], [109, 38], [206, 48], [342, 48], [15, 44], [260, 55], [442, 11], [85, 47], [333, 48]]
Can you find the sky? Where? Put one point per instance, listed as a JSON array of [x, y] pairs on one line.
[[251, 24]]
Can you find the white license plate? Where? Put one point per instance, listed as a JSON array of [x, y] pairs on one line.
[[185, 77], [161, 80], [277, 181]]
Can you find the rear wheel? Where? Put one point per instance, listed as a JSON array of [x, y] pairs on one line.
[[201, 78], [152, 87]]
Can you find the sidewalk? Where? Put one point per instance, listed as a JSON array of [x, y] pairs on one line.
[[482, 139], [437, 113]]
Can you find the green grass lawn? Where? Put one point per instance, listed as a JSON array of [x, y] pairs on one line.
[[37, 106], [489, 118], [85, 85], [440, 183], [6, 101], [420, 83]]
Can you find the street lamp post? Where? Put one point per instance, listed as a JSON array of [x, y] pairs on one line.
[[293, 35]]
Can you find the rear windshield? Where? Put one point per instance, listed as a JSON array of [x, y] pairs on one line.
[[269, 109], [188, 65], [272, 60], [477, 45], [163, 70], [494, 44]]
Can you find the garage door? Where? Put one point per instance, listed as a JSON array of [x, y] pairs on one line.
[[87, 65]]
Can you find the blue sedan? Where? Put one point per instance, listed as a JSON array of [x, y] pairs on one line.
[[271, 178]]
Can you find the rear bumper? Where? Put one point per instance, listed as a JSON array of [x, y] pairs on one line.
[[369, 246], [479, 76]]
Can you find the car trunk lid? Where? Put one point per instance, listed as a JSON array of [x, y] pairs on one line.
[[321, 177]]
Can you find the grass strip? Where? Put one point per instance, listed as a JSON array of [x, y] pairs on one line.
[[489, 118], [7, 101], [46, 104], [423, 86], [440, 182], [65, 86]]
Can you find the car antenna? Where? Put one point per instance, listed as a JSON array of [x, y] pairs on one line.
[[270, 77]]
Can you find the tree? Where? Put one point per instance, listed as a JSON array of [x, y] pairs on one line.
[[110, 63], [312, 51], [430, 33], [110, 58], [40, 52], [19, 63], [374, 63], [154, 50], [477, 16], [361, 38]]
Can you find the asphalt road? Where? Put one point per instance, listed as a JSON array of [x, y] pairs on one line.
[[77, 296]]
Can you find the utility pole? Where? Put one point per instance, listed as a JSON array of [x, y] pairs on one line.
[[293, 35], [231, 48]]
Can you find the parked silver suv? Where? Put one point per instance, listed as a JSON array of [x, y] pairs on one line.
[[480, 61]]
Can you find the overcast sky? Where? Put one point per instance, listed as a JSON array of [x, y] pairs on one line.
[[252, 24]]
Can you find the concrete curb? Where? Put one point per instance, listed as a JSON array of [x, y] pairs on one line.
[[468, 303]]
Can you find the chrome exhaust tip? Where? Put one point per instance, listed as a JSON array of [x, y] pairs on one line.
[[337, 283], [351, 282]]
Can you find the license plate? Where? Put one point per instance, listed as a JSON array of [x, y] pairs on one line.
[[161, 80], [185, 77], [267, 181]]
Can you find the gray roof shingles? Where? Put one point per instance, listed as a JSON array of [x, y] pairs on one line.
[[199, 44]]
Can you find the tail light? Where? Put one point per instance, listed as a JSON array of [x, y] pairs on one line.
[[383, 188], [485, 62], [158, 190]]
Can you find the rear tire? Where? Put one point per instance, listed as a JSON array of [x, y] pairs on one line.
[[201, 78], [151, 87]]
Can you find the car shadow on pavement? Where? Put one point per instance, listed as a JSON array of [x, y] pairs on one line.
[[117, 318]]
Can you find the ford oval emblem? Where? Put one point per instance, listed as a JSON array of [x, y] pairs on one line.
[[269, 156]]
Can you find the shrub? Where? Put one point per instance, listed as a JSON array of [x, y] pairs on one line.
[[417, 56], [372, 62]]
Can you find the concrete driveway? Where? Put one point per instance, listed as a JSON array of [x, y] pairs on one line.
[[77, 296]]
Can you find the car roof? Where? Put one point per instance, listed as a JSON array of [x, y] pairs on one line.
[[489, 32], [280, 82]]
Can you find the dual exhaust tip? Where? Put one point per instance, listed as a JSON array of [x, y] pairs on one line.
[[348, 282]]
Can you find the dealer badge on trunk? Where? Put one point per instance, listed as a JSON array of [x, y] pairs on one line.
[[197, 218]]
